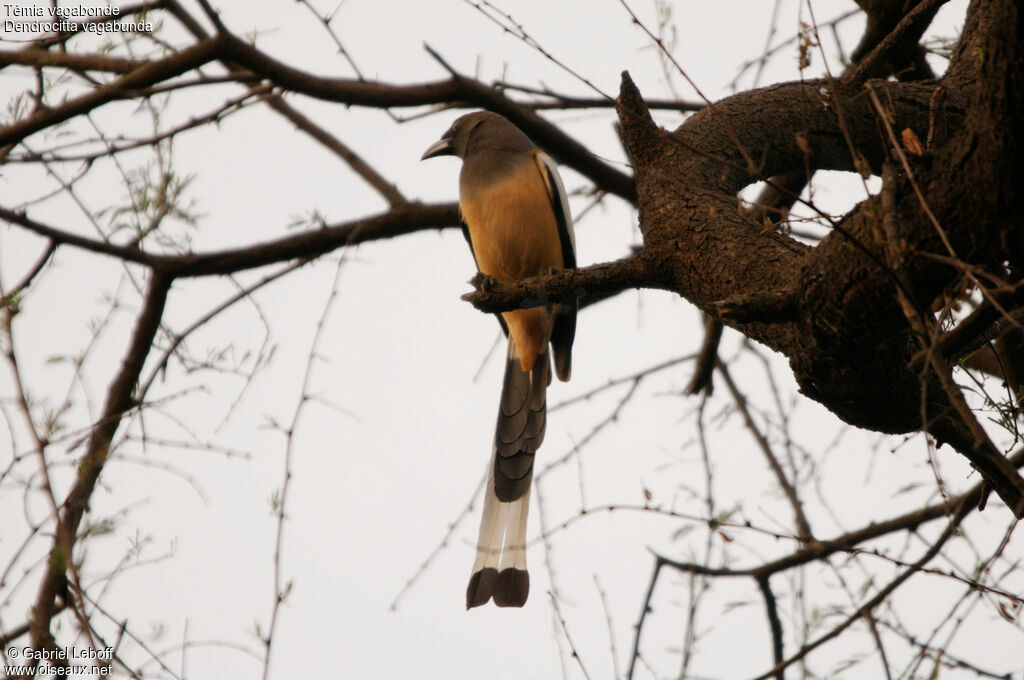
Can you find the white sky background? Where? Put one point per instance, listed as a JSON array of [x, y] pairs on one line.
[[373, 494]]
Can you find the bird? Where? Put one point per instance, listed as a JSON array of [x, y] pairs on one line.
[[516, 218]]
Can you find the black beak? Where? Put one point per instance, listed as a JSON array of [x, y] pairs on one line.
[[442, 147]]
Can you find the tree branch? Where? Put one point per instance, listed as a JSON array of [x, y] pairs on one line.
[[153, 72], [120, 399], [564, 285], [405, 219]]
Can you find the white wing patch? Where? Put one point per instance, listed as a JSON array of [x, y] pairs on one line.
[[559, 201]]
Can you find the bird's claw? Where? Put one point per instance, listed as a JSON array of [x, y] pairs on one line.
[[483, 282]]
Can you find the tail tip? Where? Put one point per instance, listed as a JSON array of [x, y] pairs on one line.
[[481, 587], [513, 587], [509, 587]]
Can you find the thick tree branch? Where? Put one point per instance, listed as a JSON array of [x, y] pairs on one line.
[[989, 321], [847, 339], [883, 50], [890, 44]]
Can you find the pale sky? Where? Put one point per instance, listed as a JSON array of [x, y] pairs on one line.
[[393, 450]]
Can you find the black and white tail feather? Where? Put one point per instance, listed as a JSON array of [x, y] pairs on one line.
[[500, 567]]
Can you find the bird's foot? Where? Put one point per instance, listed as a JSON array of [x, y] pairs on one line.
[[483, 282]]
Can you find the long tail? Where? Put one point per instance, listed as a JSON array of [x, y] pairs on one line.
[[500, 567]]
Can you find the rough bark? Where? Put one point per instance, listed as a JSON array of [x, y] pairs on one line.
[[835, 310]]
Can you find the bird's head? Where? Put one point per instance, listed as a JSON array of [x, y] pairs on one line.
[[481, 126]]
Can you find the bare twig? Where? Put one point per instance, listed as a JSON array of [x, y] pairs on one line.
[[881, 596], [803, 528]]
